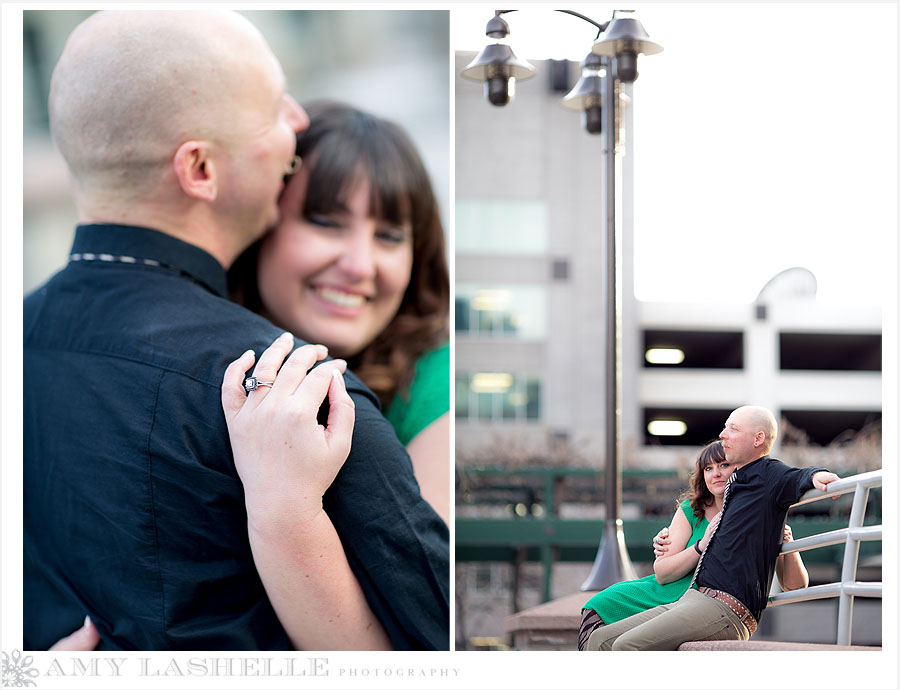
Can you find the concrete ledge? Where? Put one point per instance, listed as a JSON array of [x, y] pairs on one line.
[[554, 626], [550, 626], [560, 614], [766, 646]]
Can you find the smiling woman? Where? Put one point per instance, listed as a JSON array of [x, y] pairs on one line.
[[357, 263]]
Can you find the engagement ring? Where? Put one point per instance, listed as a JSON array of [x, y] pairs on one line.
[[252, 383]]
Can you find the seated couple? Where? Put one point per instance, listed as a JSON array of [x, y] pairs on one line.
[[716, 560]]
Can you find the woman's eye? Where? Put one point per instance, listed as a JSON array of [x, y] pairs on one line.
[[392, 235], [322, 221]]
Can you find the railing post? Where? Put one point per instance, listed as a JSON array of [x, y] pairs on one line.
[[548, 552], [848, 570]]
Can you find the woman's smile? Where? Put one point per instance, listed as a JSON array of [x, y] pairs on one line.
[[344, 300]]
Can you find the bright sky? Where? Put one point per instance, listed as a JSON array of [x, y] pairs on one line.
[[765, 138]]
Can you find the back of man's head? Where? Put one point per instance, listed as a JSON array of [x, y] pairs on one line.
[[130, 87]]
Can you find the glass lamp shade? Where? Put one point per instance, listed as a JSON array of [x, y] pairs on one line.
[[498, 67], [625, 35], [588, 90], [497, 59], [586, 97], [587, 94]]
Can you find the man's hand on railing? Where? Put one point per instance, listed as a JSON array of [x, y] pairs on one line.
[[821, 480]]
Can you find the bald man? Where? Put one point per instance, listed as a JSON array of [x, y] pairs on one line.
[[177, 133], [731, 583]]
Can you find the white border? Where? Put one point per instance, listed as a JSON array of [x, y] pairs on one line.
[[519, 670]]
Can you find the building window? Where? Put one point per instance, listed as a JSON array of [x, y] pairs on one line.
[[501, 226], [502, 311], [694, 349], [682, 426], [826, 427], [560, 269], [498, 396], [830, 351]]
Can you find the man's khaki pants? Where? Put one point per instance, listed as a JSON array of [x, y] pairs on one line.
[[693, 617]]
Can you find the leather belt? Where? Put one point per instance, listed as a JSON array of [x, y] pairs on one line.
[[734, 604]]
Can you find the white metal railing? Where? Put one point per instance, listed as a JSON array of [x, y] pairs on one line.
[[850, 536]]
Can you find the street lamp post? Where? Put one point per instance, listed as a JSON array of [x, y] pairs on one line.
[[612, 563], [612, 61]]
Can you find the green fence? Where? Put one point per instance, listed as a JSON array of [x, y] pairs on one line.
[[538, 534]]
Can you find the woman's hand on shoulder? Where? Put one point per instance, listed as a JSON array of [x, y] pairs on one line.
[[284, 457]]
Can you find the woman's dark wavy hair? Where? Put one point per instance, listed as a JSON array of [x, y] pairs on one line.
[[697, 492], [341, 144]]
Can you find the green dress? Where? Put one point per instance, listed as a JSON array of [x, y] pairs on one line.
[[627, 598], [429, 395]]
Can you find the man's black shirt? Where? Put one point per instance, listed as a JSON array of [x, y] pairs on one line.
[[741, 556], [133, 510]]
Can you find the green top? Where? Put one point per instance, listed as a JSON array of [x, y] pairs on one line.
[[627, 598], [429, 396]]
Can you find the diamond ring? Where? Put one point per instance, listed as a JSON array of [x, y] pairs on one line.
[[251, 383]]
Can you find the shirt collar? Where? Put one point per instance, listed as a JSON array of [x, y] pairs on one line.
[[146, 243], [753, 462]]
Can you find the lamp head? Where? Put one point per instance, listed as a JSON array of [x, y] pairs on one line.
[[498, 67], [587, 94], [624, 38]]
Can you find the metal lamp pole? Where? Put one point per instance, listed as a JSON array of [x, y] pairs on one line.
[[618, 42], [621, 42], [612, 563]]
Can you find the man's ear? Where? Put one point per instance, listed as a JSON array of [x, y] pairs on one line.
[[195, 170]]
